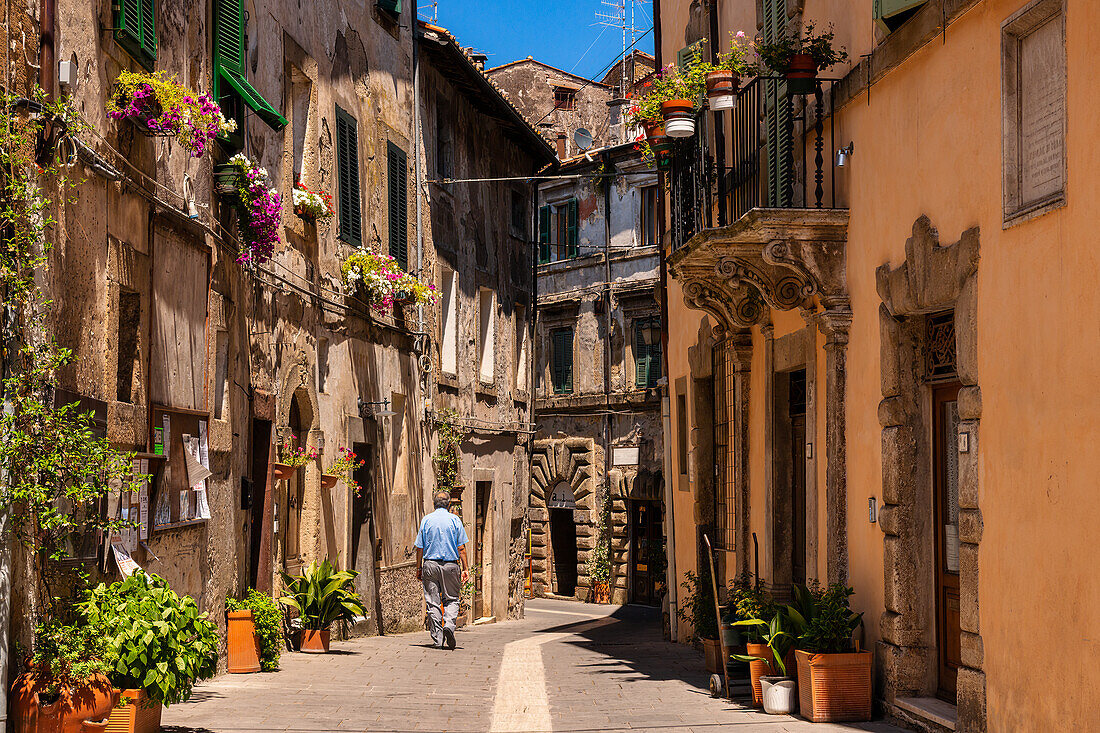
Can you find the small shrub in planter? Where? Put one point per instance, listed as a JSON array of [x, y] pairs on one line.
[[159, 105], [321, 596], [599, 567], [380, 279], [267, 618], [799, 57], [834, 675]]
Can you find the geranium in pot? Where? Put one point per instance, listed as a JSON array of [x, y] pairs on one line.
[[343, 469], [834, 674], [724, 75], [257, 637], [292, 457], [321, 596], [679, 90], [159, 105], [778, 689], [800, 57], [157, 646]]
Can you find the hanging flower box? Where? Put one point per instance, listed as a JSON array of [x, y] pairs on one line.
[[156, 104], [312, 206], [379, 280], [227, 179], [260, 208]]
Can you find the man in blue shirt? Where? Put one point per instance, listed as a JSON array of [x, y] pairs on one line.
[[440, 547]]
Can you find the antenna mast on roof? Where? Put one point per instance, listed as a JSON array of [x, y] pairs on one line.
[[621, 15]]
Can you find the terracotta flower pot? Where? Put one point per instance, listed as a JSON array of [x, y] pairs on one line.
[[653, 129], [95, 726], [679, 117], [328, 480], [242, 645], [834, 688], [801, 74], [314, 642], [137, 716], [283, 471], [92, 700], [722, 88]]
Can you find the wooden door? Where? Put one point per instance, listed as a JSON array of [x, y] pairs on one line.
[[798, 498], [364, 536], [646, 552], [292, 540], [260, 520], [945, 453], [482, 546]]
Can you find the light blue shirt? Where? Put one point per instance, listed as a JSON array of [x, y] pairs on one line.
[[440, 536]]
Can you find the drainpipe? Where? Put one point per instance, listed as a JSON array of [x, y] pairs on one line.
[[47, 71], [608, 417], [418, 171], [666, 417]]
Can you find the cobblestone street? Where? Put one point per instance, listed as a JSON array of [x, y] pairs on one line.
[[565, 667]]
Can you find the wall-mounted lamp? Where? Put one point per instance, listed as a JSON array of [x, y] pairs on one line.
[[843, 154], [370, 409]]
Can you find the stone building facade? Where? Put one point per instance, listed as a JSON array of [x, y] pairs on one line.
[[173, 336], [867, 354]]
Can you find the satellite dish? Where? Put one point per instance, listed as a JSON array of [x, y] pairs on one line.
[[582, 138]]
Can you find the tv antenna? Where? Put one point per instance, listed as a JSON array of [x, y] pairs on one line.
[[620, 14]]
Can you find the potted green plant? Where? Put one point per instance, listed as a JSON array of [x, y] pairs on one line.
[[835, 675], [599, 566], [157, 646], [723, 77], [679, 90], [343, 469], [753, 609], [378, 279], [321, 596], [777, 688], [262, 634], [800, 56], [450, 433], [697, 609]]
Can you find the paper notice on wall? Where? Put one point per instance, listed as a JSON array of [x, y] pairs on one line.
[[167, 433], [185, 505], [196, 472], [202, 508], [126, 564], [204, 445], [951, 549], [163, 514]]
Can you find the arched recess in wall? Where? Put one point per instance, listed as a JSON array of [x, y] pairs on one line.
[[554, 463], [300, 495], [934, 282]]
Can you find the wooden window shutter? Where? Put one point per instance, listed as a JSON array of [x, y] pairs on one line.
[[136, 30], [347, 175], [393, 7], [654, 362], [885, 12], [229, 62], [544, 233], [641, 356], [571, 242], [562, 367], [687, 53], [398, 187], [776, 114]]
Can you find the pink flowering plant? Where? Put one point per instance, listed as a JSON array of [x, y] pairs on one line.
[[163, 106], [261, 211], [380, 279], [345, 467], [296, 457]]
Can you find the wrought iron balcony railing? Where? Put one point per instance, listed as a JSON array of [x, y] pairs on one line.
[[775, 157]]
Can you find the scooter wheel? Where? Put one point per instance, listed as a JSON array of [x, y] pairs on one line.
[[715, 686]]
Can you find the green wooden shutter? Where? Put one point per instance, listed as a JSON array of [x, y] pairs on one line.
[[886, 12], [136, 30], [229, 66], [398, 186], [393, 7], [544, 234], [654, 362], [347, 174], [562, 367], [776, 114], [572, 247], [641, 356], [685, 55]]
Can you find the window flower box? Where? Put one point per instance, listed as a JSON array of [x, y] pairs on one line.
[[157, 105]]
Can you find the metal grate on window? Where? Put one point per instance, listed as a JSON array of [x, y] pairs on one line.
[[939, 346], [725, 459]]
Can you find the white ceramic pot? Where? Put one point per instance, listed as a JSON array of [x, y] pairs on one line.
[[780, 695], [682, 127], [720, 102]]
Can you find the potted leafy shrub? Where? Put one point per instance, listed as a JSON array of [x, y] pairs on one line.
[[312, 206], [724, 76], [159, 105], [379, 279], [157, 646], [835, 675], [799, 57], [679, 90], [599, 567], [753, 610], [292, 457], [257, 634], [67, 680], [321, 596], [777, 688], [697, 609]]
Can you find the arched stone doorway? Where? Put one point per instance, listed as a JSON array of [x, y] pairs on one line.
[[565, 467]]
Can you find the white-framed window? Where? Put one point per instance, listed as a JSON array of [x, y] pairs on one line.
[[448, 321], [486, 301], [520, 318]]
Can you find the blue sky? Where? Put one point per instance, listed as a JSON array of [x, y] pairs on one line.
[[562, 33]]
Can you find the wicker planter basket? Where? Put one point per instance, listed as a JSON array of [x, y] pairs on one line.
[[834, 688]]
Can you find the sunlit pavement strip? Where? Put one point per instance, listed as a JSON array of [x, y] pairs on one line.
[[521, 703]]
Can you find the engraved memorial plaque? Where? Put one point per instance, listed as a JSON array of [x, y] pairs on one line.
[[1042, 110]]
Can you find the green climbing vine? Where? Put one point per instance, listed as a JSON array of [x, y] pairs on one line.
[[451, 433]]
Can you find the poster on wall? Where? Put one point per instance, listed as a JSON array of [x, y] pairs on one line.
[[163, 513], [125, 562]]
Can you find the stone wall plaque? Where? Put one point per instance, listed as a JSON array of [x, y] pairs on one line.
[[626, 455]]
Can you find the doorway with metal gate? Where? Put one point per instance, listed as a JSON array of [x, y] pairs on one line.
[[647, 552]]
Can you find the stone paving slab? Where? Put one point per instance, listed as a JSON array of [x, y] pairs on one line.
[[570, 667]]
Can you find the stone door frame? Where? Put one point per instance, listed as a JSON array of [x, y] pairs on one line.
[[552, 462], [933, 278]]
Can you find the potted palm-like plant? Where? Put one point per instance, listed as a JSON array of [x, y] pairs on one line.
[[321, 596], [799, 57], [777, 688], [835, 675], [157, 646], [754, 610]]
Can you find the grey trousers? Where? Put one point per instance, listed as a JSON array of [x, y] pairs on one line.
[[442, 584]]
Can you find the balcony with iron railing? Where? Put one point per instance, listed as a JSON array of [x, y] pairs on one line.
[[753, 202]]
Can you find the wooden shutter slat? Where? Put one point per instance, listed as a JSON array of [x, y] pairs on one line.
[[544, 233], [641, 357], [572, 243], [397, 185]]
